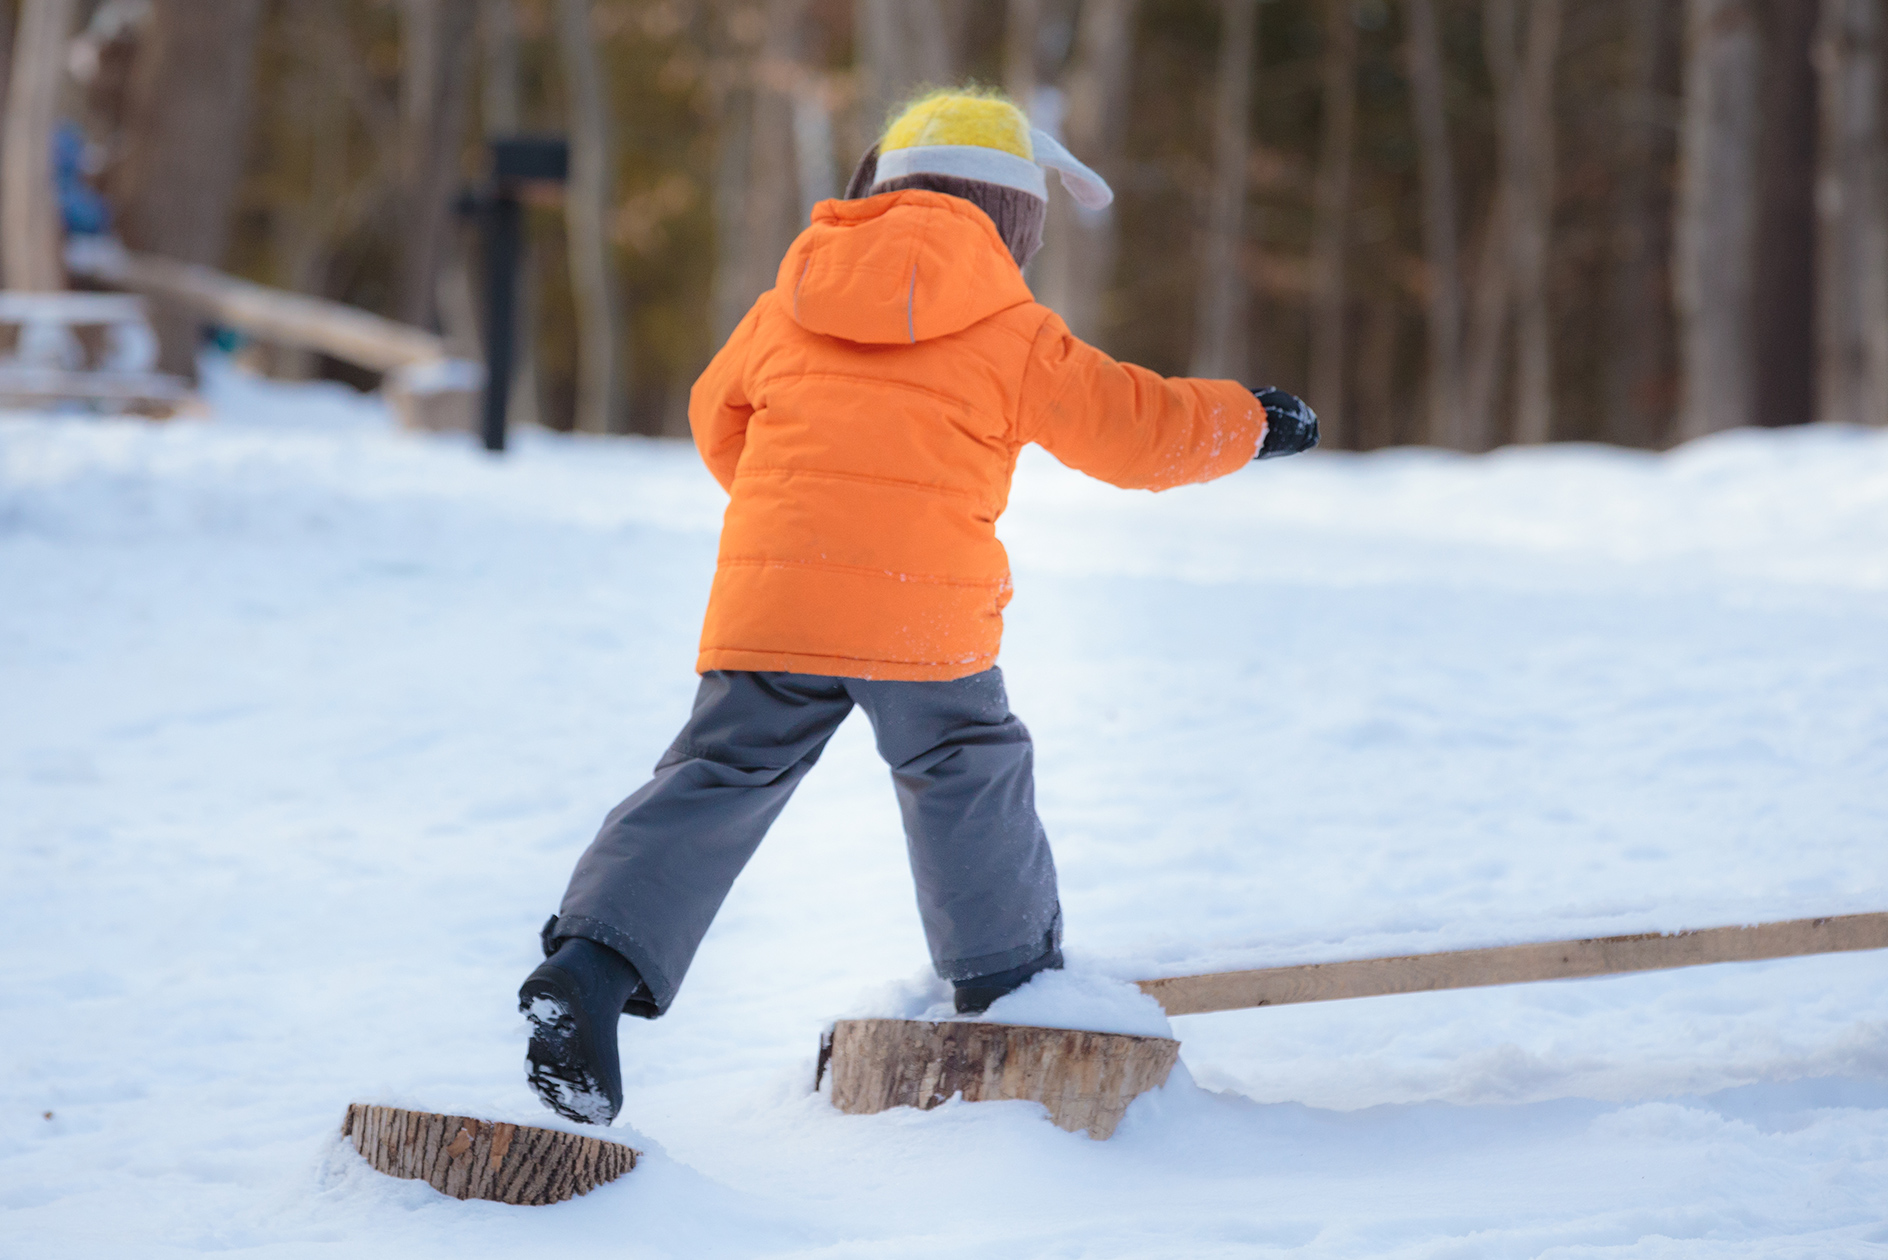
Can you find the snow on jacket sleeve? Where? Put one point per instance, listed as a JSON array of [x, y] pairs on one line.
[[718, 407], [1128, 426]]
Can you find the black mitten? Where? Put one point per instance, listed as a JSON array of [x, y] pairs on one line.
[[1290, 426]]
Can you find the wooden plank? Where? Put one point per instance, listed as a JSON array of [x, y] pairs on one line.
[[1515, 964], [425, 386], [469, 1158], [273, 315], [1085, 1079]]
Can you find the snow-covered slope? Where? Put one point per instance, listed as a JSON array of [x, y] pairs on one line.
[[302, 723]]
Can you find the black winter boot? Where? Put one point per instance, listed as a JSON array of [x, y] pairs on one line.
[[573, 1001], [975, 995]]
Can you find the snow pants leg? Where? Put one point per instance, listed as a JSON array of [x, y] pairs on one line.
[[963, 769]]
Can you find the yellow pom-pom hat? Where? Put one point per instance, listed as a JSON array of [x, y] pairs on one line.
[[978, 136]]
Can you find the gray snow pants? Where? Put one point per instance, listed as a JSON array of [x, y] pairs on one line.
[[962, 766]]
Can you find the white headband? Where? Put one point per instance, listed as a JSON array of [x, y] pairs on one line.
[[994, 166]]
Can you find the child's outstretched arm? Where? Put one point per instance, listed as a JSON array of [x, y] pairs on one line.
[[1137, 429], [718, 407]]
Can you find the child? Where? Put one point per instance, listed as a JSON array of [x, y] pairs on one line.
[[865, 419]]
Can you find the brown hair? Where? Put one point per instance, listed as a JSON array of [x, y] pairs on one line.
[[1018, 215]]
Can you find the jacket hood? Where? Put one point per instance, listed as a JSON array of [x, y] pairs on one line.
[[898, 268]]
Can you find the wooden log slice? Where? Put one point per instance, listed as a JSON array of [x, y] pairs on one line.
[[1085, 1079], [469, 1158]]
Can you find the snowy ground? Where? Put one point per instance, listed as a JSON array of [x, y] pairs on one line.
[[303, 722]]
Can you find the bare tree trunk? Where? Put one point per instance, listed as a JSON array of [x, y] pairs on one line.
[[957, 21], [184, 141], [1852, 209], [1219, 339], [500, 108], [1375, 374], [6, 72], [814, 162], [768, 164], [1532, 132], [1488, 325], [1490, 301], [301, 232], [1641, 359], [1785, 282], [1077, 260], [29, 209], [1436, 170], [737, 56], [773, 206], [1042, 103], [1717, 216], [903, 45], [1333, 210], [732, 168], [502, 114], [1510, 277], [1022, 29], [820, 98], [436, 47], [600, 387]]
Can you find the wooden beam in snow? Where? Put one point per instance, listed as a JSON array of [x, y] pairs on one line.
[[1515, 964]]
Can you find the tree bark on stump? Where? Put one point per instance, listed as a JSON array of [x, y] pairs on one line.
[[1085, 1079], [477, 1159]]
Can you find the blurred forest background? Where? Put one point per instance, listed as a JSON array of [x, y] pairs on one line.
[[1457, 222]]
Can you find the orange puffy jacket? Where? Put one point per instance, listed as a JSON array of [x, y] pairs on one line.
[[866, 416]]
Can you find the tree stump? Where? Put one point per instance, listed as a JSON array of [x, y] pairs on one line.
[[1085, 1079], [478, 1159]]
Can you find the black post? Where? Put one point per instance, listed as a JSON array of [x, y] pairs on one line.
[[501, 223], [520, 164]]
